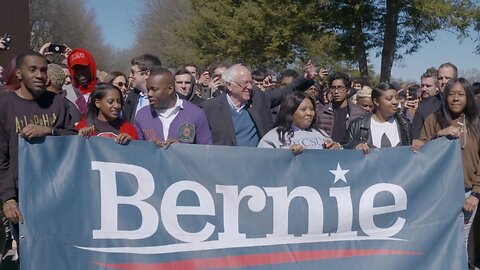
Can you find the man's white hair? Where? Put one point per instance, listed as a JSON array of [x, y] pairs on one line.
[[230, 74]]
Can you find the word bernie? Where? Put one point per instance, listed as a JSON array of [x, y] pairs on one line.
[[227, 234]]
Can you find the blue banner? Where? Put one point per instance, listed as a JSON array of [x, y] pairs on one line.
[[94, 204]]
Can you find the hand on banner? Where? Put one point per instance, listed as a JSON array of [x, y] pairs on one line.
[[331, 144], [296, 149], [166, 143], [86, 132], [12, 212], [417, 145], [470, 204], [33, 131], [123, 138], [364, 147]]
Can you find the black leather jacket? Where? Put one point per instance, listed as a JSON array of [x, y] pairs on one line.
[[359, 131]]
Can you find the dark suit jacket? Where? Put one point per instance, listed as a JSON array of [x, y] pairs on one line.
[[220, 120], [425, 108], [130, 105]]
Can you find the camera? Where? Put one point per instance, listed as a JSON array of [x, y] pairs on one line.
[[7, 39], [56, 48]]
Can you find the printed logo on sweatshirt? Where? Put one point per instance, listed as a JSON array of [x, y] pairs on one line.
[[107, 135], [312, 142], [41, 120], [186, 133]]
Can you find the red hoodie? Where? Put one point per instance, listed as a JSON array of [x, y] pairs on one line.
[[84, 58]]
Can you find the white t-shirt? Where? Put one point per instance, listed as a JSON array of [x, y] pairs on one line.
[[385, 134], [309, 139]]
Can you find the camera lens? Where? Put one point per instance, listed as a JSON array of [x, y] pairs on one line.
[[57, 49]]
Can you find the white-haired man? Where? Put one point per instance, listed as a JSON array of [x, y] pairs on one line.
[[241, 116]]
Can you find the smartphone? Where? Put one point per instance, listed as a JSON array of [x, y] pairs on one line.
[[327, 71], [206, 93], [7, 39], [413, 92], [57, 48], [274, 78]]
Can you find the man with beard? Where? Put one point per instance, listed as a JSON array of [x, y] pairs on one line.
[[335, 117], [32, 112]]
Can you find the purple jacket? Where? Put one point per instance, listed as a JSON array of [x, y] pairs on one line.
[[189, 126]]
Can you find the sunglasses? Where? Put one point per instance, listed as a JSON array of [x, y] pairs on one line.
[[121, 84]]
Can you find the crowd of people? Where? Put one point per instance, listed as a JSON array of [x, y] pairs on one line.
[[231, 105]]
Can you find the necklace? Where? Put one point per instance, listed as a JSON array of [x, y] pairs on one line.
[[463, 130]]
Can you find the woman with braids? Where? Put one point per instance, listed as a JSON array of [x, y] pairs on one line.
[[103, 116], [383, 127], [295, 127], [459, 119]]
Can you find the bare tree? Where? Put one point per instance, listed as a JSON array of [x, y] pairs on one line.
[[68, 22], [472, 74]]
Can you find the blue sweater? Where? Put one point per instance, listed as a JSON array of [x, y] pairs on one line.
[[245, 130]]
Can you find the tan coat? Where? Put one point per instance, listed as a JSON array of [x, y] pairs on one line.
[[470, 150]]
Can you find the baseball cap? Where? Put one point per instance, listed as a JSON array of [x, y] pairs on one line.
[[78, 58]]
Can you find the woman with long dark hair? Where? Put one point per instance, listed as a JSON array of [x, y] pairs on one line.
[[459, 119], [295, 127], [383, 127], [118, 79], [103, 116]]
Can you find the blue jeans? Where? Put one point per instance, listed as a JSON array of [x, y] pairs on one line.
[[467, 223]]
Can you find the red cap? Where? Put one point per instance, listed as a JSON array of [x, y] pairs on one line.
[[78, 58]]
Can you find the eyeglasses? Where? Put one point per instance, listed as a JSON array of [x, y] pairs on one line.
[[121, 84], [339, 88], [133, 73], [244, 84]]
